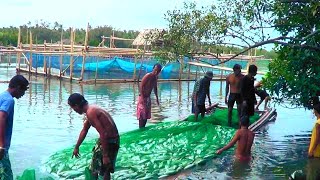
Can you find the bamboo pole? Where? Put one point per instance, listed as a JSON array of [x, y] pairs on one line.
[[61, 56], [84, 52], [19, 46], [44, 59], [71, 57], [135, 66], [49, 62], [30, 59], [96, 73], [189, 69]]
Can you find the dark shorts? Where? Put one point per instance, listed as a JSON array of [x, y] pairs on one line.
[[248, 110], [234, 97], [97, 164], [201, 109], [262, 94]]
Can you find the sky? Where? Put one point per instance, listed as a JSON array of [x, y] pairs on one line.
[[120, 14]]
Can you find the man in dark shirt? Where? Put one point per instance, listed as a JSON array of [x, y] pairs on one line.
[[248, 92], [200, 91]]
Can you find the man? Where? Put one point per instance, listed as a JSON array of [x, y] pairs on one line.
[[248, 91], [17, 88], [262, 93], [244, 137], [200, 92], [148, 83], [233, 81], [106, 150]]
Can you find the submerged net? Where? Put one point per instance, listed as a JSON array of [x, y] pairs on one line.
[[155, 151]]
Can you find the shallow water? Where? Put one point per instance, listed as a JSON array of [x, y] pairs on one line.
[[44, 123]]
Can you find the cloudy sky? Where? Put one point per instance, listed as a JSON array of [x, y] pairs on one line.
[[121, 14]]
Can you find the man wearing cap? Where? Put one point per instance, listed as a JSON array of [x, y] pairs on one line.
[[233, 83], [106, 150], [17, 88], [149, 82], [200, 91]]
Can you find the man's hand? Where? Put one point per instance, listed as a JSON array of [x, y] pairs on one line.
[[76, 153], [2, 152], [219, 151], [226, 100]]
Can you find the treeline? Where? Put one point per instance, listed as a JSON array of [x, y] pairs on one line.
[[233, 50], [44, 31]]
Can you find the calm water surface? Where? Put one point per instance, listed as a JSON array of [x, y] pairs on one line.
[[44, 124]]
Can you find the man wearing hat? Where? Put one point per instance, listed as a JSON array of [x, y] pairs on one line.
[[200, 91], [17, 87]]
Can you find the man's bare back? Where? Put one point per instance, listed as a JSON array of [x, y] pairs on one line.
[[148, 83], [102, 121], [244, 144]]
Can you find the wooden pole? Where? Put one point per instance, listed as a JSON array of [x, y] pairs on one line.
[[49, 62], [135, 66], [96, 75], [44, 58], [84, 52], [61, 49], [19, 46], [71, 56], [30, 59], [189, 71]]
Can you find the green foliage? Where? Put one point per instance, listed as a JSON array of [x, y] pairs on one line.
[[44, 31], [240, 25]]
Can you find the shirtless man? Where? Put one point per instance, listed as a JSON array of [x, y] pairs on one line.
[[148, 83], [233, 80], [245, 138], [106, 150]]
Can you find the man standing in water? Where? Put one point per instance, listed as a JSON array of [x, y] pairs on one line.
[[245, 138], [248, 92], [233, 81], [200, 92], [17, 87], [148, 83], [314, 147], [106, 150]]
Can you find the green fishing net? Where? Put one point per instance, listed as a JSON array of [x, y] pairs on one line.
[[155, 151]]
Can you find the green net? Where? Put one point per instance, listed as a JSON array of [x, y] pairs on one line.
[[155, 151]]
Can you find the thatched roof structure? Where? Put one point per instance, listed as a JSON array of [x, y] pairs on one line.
[[147, 37]]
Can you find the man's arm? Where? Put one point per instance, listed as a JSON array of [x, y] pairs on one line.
[[231, 143], [155, 89], [208, 94], [227, 90], [3, 117], [82, 136]]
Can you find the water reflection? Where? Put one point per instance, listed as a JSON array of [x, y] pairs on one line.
[[44, 123]]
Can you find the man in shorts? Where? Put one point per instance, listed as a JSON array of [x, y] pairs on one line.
[[106, 150], [233, 83], [200, 92], [248, 92], [262, 93]]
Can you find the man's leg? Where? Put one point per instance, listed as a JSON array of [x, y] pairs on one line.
[[257, 107], [231, 102], [106, 176], [202, 110], [5, 168], [142, 123]]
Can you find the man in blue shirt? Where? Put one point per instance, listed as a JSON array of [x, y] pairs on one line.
[[200, 92], [17, 87]]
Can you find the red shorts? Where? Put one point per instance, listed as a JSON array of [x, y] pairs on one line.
[[143, 108]]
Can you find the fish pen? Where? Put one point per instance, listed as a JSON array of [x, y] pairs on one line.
[[102, 64]]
